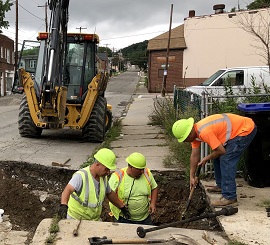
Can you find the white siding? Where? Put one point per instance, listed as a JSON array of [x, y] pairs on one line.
[[217, 41]]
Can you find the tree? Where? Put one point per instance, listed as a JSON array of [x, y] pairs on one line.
[[258, 25], [105, 50], [257, 4], [137, 54], [4, 7]]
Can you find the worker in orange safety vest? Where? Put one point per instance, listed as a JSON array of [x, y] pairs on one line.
[[228, 135]]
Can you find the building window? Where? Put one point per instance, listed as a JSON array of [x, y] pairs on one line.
[[2, 52], [8, 55], [33, 64], [160, 73]]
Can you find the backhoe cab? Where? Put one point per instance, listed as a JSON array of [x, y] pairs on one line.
[[75, 98]]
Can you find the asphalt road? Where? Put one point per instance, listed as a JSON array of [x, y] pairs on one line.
[[60, 145]]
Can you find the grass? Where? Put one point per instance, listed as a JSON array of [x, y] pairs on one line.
[[54, 228], [164, 115]]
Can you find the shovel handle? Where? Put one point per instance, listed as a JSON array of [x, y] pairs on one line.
[[105, 240], [141, 232], [197, 174]]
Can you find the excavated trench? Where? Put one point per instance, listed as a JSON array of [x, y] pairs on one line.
[[31, 192]]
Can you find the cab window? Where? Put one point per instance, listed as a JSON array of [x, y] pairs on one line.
[[231, 78]]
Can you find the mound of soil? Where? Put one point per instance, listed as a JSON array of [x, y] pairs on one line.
[[31, 193]]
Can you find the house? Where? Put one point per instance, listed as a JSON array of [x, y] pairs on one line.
[[103, 62], [6, 64], [209, 42], [157, 50]]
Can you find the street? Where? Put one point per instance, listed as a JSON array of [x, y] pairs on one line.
[[60, 145]]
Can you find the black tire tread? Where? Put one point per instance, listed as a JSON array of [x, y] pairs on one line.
[[26, 126], [94, 130]]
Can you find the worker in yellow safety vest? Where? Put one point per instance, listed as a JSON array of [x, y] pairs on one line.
[[83, 196], [137, 188]]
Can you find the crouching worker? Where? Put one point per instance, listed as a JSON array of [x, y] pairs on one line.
[[137, 188], [83, 196]]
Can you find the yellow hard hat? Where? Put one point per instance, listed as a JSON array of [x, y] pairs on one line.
[[107, 158], [136, 160], [182, 128]]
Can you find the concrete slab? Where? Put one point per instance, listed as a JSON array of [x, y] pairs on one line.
[[140, 129], [251, 224], [147, 151], [139, 109], [138, 142], [119, 232]]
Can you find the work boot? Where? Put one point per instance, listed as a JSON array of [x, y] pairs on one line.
[[223, 202], [214, 189]]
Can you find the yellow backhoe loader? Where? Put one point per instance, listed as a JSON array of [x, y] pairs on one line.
[[62, 85]]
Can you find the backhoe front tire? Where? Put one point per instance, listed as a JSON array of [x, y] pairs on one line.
[[94, 130], [26, 126]]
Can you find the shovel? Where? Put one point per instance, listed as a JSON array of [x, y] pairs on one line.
[[61, 164], [141, 232], [105, 240], [196, 180]]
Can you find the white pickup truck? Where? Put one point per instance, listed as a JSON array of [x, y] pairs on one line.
[[240, 79]]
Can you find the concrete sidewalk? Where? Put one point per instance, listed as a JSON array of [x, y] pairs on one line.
[[138, 135]]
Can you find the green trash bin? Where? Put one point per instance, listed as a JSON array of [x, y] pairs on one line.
[[257, 162]]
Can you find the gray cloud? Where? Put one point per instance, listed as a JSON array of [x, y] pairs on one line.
[[118, 22]]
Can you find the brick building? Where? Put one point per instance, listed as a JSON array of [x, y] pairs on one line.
[[157, 49], [6, 64]]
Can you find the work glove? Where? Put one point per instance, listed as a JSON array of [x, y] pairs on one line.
[[62, 211], [125, 212]]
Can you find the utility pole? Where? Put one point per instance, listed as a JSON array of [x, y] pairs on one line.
[[16, 36], [167, 57], [46, 15], [81, 28]]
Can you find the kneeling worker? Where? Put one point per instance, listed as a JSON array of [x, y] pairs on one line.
[[83, 196], [137, 188]]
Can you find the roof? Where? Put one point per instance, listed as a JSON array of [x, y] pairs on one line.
[[161, 42]]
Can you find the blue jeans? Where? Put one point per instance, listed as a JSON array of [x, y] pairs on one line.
[[225, 166], [147, 221]]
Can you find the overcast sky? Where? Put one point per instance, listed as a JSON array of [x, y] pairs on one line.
[[119, 23]]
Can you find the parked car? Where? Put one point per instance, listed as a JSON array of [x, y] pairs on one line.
[[241, 79]]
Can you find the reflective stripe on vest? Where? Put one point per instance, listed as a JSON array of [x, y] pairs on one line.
[[85, 203], [120, 173], [228, 122]]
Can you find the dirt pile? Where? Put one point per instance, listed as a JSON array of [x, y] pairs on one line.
[[31, 192]]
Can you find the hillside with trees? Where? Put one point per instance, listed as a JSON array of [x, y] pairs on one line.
[[136, 54]]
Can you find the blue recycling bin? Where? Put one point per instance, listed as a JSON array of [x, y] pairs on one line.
[[257, 162]]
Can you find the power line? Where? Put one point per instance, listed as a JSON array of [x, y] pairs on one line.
[[29, 12]]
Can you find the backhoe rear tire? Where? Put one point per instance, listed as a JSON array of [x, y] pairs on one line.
[[26, 126], [94, 130]]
